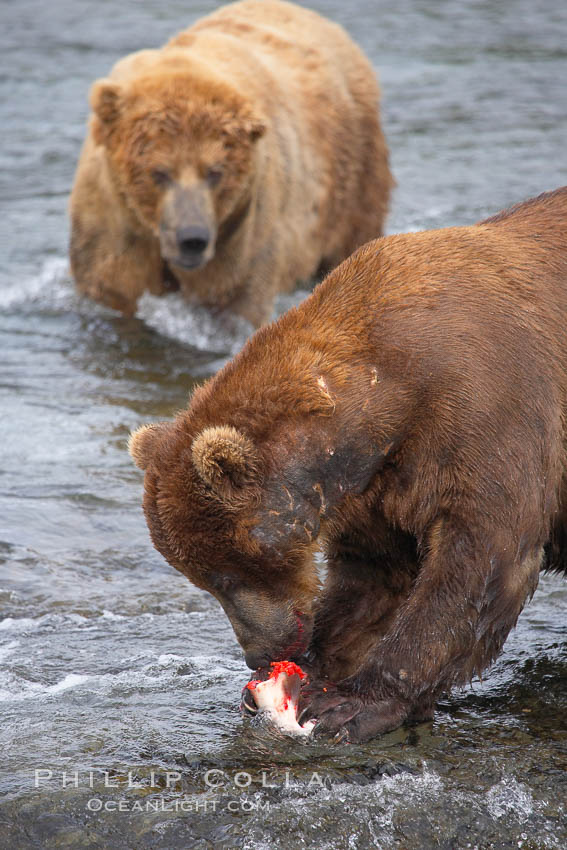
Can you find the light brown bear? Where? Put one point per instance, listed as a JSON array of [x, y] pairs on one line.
[[240, 158], [410, 416]]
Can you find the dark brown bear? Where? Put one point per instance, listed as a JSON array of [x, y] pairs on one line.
[[408, 418]]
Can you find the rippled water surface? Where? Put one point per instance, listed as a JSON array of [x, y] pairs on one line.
[[119, 682]]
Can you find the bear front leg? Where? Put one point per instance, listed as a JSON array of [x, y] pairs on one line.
[[470, 589], [116, 269], [114, 259], [360, 597]]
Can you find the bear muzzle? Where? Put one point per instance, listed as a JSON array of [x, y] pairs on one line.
[[192, 245], [290, 646], [256, 659], [187, 230], [266, 630]]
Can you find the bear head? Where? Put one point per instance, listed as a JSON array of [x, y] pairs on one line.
[[214, 514], [180, 146]]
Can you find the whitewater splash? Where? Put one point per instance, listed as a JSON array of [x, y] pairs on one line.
[[53, 290], [174, 317], [145, 670]]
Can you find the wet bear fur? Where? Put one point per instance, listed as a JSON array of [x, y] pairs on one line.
[[409, 420]]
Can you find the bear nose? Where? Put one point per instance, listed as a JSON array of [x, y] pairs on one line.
[[256, 659], [192, 240]]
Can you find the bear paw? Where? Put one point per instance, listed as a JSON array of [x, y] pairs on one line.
[[347, 716]]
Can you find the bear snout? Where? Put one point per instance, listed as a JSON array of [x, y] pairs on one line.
[[266, 630], [288, 648], [192, 242], [256, 659], [187, 231]]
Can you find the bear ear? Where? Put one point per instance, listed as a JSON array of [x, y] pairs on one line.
[[225, 459], [142, 443], [254, 128], [244, 125], [105, 100]]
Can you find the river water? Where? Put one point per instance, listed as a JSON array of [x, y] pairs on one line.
[[119, 682]]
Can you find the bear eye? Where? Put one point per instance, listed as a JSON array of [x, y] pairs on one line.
[[214, 175], [161, 177]]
